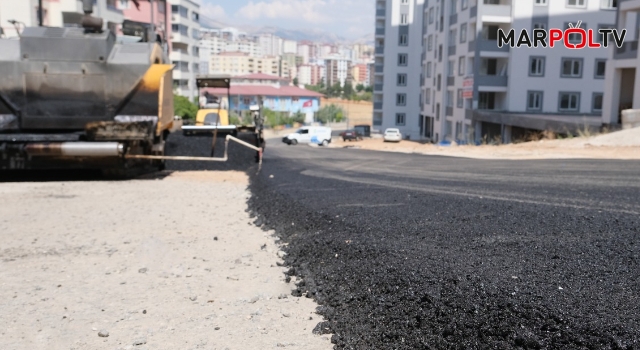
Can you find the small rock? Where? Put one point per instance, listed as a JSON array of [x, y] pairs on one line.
[[103, 333], [193, 298], [283, 296], [254, 300], [263, 247], [189, 275], [233, 278], [144, 312], [143, 270], [286, 314], [139, 341], [281, 345], [215, 238], [217, 328]]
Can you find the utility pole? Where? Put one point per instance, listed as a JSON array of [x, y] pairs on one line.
[[40, 14]]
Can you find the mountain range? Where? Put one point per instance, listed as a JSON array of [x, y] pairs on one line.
[[315, 35]]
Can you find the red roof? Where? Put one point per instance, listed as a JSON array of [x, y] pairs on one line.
[[265, 90], [259, 76]]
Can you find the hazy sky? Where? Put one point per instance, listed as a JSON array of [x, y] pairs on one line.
[[348, 18]]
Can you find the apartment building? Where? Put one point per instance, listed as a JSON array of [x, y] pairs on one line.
[[310, 74], [56, 13], [185, 52], [271, 45], [622, 82], [338, 71], [241, 63], [397, 77], [473, 90], [360, 74]]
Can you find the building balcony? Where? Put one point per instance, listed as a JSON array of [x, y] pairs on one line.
[[379, 68], [379, 50], [628, 50], [492, 80], [179, 55], [377, 105], [496, 10], [381, 12], [378, 87], [487, 45], [380, 31]]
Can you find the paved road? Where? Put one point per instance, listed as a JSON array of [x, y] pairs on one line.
[[414, 251]]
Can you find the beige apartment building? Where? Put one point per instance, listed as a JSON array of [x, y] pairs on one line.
[[241, 63]]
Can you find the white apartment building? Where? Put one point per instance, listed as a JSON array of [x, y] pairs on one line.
[[290, 46], [472, 90], [26, 14], [398, 49], [338, 71], [622, 82], [270, 44], [185, 52], [240, 63]]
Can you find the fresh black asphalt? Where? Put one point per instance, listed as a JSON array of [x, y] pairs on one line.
[[406, 251]]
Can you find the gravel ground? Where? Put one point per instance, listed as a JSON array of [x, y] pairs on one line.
[[415, 252], [167, 261]]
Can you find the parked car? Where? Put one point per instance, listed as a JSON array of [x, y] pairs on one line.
[[363, 130], [309, 134], [351, 135], [392, 135]]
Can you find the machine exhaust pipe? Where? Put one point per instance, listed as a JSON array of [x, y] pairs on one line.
[[87, 7], [75, 149], [89, 22]]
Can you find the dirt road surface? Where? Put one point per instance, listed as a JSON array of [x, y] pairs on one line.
[[160, 263], [623, 144]]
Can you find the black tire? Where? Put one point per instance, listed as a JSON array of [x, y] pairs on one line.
[[294, 142], [325, 143]]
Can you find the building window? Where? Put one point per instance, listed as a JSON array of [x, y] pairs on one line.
[[569, 102], [608, 4], [534, 100], [430, 42], [431, 13], [427, 97], [403, 19], [536, 66], [439, 82], [472, 32], [401, 99], [597, 102], [454, 7], [601, 37], [402, 59], [460, 100], [576, 3], [463, 33], [195, 51], [400, 118], [575, 38], [540, 25], [195, 17], [402, 80], [428, 70], [464, 4], [403, 40], [601, 66], [453, 35], [571, 68], [451, 69], [449, 98], [195, 33], [461, 65], [540, 2]]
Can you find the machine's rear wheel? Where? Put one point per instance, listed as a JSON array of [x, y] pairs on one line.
[[294, 142]]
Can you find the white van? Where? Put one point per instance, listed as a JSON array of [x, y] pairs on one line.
[[309, 134]]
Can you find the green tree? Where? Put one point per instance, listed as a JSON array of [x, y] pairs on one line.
[[348, 90], [299, 117], [359, 87], [184, 108], [368, 89], [331, 113], [295, 81]]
